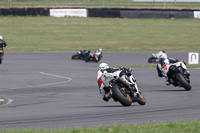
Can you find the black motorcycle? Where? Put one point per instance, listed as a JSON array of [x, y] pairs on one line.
[[179, 76], [93, 57], [153, 58], [81, 55]]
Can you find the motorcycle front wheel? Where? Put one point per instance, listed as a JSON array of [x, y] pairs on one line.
[[140, 99], [119, 92], [75, 57], [183, 82]]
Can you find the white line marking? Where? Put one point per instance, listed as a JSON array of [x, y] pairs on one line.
[[56, 76], [42, 85]]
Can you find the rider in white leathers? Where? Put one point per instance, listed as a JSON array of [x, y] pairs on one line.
[[98, 53], [163, 65], [104, 68]]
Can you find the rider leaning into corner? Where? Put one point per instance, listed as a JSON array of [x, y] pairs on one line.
[[2, 43], [104, 68], [164, 61], [98, 53]]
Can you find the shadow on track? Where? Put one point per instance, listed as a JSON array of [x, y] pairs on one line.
[[109, 106]]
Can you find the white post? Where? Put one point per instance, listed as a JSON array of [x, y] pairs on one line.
[[55, 2], [164, 3], [10, 3]]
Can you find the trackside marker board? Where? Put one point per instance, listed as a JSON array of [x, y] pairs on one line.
[[193, 58], [68, 12]]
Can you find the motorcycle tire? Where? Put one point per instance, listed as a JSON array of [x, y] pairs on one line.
[[140, 99], [183, 82], [123, 98], [152, 60], [97, 61], [87, 59], [1, 59], [75, 57]]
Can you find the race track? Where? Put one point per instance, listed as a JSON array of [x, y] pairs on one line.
[[49, 90]]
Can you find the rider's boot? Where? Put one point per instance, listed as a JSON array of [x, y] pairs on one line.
[[108, 95], [167, 82]]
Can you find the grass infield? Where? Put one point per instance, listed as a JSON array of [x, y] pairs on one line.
[[110, 34], [153, 127]]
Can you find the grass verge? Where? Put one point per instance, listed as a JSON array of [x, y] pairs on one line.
[[175, 127], [110, 34]]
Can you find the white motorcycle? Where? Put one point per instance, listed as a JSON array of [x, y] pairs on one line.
[[177, 74], [124, 92]]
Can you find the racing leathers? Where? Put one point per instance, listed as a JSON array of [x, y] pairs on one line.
[[97, 55], [2, 44], [162, 68], [105, 91]]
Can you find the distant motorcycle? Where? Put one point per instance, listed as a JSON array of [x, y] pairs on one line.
[[93, 57], [80, 55], [1, 55], [177, 73], [153, 58], [121, 90], [179, 76]]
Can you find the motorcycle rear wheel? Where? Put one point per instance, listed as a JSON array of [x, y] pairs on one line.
[[120, 94], [183, 82]]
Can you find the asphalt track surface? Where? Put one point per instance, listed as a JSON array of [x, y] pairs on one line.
[[48, 90]]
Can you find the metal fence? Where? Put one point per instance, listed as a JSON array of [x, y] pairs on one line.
[[103, 3]]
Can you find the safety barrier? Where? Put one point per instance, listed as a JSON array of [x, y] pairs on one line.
[[25, 12], [107, 12]]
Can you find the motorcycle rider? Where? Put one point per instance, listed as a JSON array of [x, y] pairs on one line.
[[164, 63], [104, 68], [98, 54], [2, 43]]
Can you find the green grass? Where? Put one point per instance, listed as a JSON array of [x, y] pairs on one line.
[[175, 127], [110, 34]]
